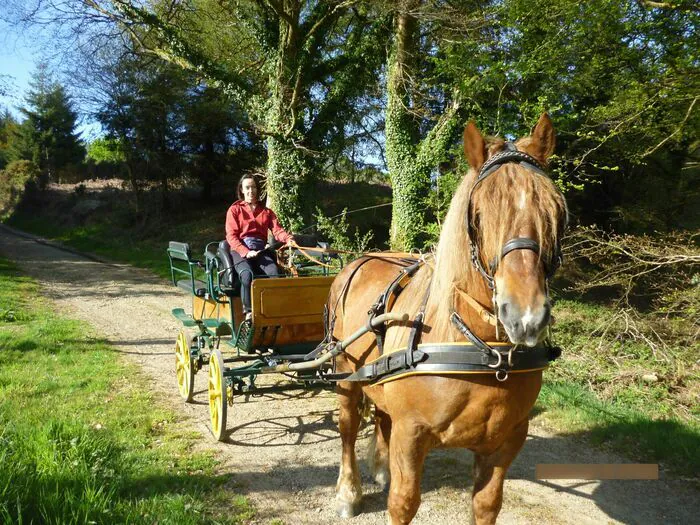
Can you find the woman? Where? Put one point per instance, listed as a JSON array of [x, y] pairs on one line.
[[247, 224]]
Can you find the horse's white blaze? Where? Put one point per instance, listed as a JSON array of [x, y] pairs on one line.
[[527, 317], [523, 200]]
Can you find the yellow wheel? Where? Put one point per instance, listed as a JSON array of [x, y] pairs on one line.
[[217, 395], [184, 368]]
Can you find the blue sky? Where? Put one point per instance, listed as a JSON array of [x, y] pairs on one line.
[[17, 61], [19, 55]]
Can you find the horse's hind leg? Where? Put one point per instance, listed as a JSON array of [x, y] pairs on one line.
[[348, 489], [379, 452], [489, 474], [408, 447]]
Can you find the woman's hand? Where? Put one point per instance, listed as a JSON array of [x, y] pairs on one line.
[[251, 254]]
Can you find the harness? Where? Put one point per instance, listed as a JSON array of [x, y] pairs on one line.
[[474, 355], [509, 155], [387, 299]]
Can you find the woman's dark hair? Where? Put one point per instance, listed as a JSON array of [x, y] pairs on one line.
[[256, 179]]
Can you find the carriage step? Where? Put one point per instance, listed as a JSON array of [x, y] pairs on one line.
[[188, 321], [184, 318]]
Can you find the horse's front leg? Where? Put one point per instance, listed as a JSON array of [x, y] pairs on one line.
[[349, 488], [489, 475], [408, 448]]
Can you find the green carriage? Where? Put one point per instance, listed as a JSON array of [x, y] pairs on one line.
[[286, 325]]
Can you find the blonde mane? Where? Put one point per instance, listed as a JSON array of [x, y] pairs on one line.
[[499, 201]]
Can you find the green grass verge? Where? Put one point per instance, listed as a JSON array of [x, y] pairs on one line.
[[118, 244], [81, 438], [572, 409], [616, 390]]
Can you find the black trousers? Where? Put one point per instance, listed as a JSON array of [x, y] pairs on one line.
[[262, 264]]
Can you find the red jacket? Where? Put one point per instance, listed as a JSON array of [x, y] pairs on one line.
[[241, 222]]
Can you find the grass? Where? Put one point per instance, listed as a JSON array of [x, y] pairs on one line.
[[621, 392], [118, 236], [81, 438], [116, 243]]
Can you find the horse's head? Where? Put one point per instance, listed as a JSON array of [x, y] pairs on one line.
[[515, 218]]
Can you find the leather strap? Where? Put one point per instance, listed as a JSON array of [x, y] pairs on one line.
[[386, 300], [483, 312], [450, 358]]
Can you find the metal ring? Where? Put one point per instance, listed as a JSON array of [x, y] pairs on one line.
[[502, 378], [500, 358]]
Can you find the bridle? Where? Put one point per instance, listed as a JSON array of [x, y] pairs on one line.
[[509, 155]]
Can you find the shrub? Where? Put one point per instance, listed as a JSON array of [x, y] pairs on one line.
[[337, 230], [18, 178]]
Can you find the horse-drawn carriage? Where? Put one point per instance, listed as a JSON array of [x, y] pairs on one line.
[[284, 335], [453, 349]]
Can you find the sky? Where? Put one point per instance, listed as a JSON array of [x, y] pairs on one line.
[[18, 60]]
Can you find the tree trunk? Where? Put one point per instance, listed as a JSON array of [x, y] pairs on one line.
[[289, 188], [410, 186], [289, 169], [410, 159]]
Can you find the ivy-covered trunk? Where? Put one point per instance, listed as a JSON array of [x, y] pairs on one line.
[[410, 159], [288, 183], [288, 168], [408, 183]]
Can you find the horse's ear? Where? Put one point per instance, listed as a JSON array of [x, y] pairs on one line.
[[542, 140], [474, 146]]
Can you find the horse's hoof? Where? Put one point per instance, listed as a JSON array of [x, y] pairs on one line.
[[346, 509]]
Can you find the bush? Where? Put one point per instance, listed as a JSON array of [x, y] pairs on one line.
[[337, 230], [17, 179]]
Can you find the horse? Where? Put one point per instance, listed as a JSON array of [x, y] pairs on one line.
[[498, 248]]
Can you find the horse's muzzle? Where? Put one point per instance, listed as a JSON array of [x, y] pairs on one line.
[[525, 326]]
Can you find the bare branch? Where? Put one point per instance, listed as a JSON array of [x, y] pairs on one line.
[[678, 129]]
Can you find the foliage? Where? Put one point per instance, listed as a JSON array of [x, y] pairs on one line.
[[47, 136], [8, 133], [313, 78], [298, 69], [106, 150], [624, 103], [651, 267], [17, 177], [80, 439], [626, 378], [338, 231], [438, 202], [167, 124]]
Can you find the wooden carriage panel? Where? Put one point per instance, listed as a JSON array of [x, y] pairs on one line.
[[289, 301], [289, 311], [210, 309]]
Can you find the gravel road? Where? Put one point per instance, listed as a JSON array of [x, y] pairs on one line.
[[283, 449]]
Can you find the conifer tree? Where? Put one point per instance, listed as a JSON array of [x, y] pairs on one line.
[[47, 135]]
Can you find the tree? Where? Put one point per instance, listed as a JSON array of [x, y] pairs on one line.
[[418, 136], [106, 150], [213, 130], [8, 132], [47, 135], [295, 67]]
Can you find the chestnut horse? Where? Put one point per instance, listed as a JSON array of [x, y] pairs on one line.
[[515, 201]]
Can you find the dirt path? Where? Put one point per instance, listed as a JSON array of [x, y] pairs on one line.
[[283, 450]]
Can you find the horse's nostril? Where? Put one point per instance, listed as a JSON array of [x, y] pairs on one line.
[[503, 310]]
